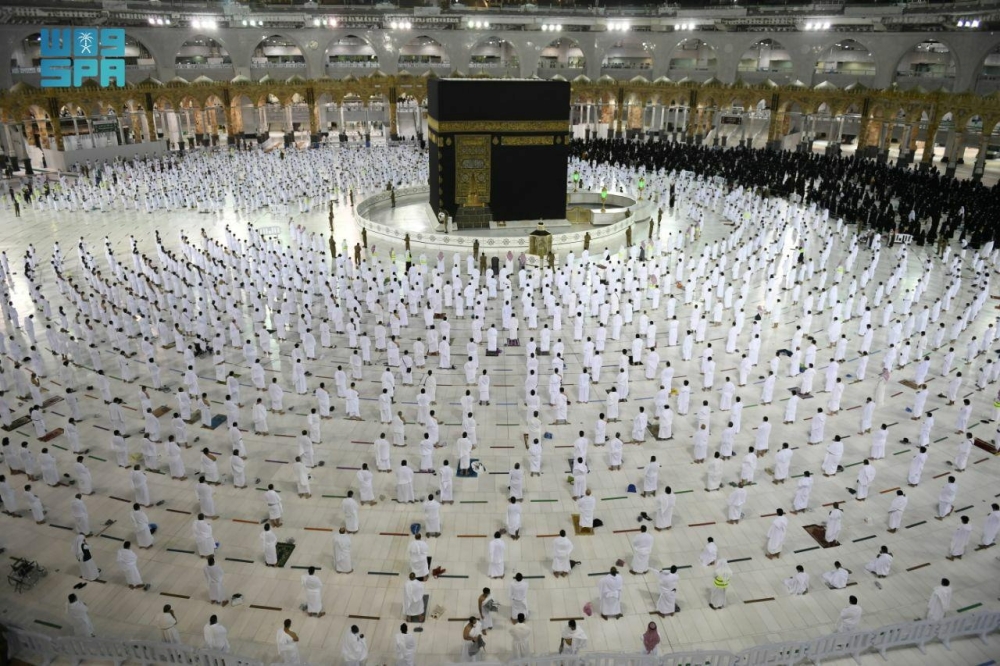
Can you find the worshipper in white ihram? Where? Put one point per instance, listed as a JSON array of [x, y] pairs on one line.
[[940, 601], [166, 622], [79, 617], [666, 603], [850, 616], [342, 552], [609, 590], [799, 583], [312, 587]]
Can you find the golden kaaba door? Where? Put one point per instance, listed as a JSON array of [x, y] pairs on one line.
[[472, 169]]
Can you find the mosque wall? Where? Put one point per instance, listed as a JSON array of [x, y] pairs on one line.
[[963, 54]]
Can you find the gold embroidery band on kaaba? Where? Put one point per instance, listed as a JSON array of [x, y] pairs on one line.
[[527, 140], [480, 126]]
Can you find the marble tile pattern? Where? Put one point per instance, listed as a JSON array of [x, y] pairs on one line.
[[481, 502]]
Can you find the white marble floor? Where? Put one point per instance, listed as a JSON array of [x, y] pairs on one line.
[[175, 575]]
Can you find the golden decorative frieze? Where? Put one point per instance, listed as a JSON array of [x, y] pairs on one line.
[[496, 126], [527, 140]]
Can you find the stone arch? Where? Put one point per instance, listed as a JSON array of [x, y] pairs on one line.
[[277, 50], [988, 73], [350, 51], [844, 61], [693, 58], [26, 55], [494, 55], [138, 55], [632, 54], [564, 53], [244, 114], [422, 53], [931, 63], [203, 52], [768, 57]]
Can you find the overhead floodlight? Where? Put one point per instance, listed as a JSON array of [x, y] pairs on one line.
[[152, 21]]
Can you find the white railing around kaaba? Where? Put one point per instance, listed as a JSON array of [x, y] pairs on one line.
[[641, 211], [37, 648]]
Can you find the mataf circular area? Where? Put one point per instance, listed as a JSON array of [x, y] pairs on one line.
[[746, 313]]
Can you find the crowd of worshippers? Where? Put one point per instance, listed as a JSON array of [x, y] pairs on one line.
[[924, 203]]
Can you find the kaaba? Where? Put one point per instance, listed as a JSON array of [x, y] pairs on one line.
[[498, 149]]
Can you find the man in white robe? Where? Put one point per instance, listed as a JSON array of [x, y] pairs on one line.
[[413, 599], [834, 521], [896, 509], [128, 564], [520, 634], [734, 504], [573, 639], [946, 498], [76, 613], [216, 636], [664, 509], [799, 583], [287, 641], [960, 539], [940, 601], [354, 648], [365, 486], [275, 509], [342, 552], [406, 647], [432, 517], [312, 587], [642, 548], [866, 475], [834, 453], [666, 603], [166, 622], [776, 535], [882, 564], [586, 505], [518, 597], [418, 555], [990, 528], [81, 518], [215, 577], [650, 477], [850, 617], [142, 527], [562, 548], [349, 509], [836, 579], [497, 549], [609, 589], [404, 484]]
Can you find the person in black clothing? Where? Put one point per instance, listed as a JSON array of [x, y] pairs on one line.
[[857, 189]]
